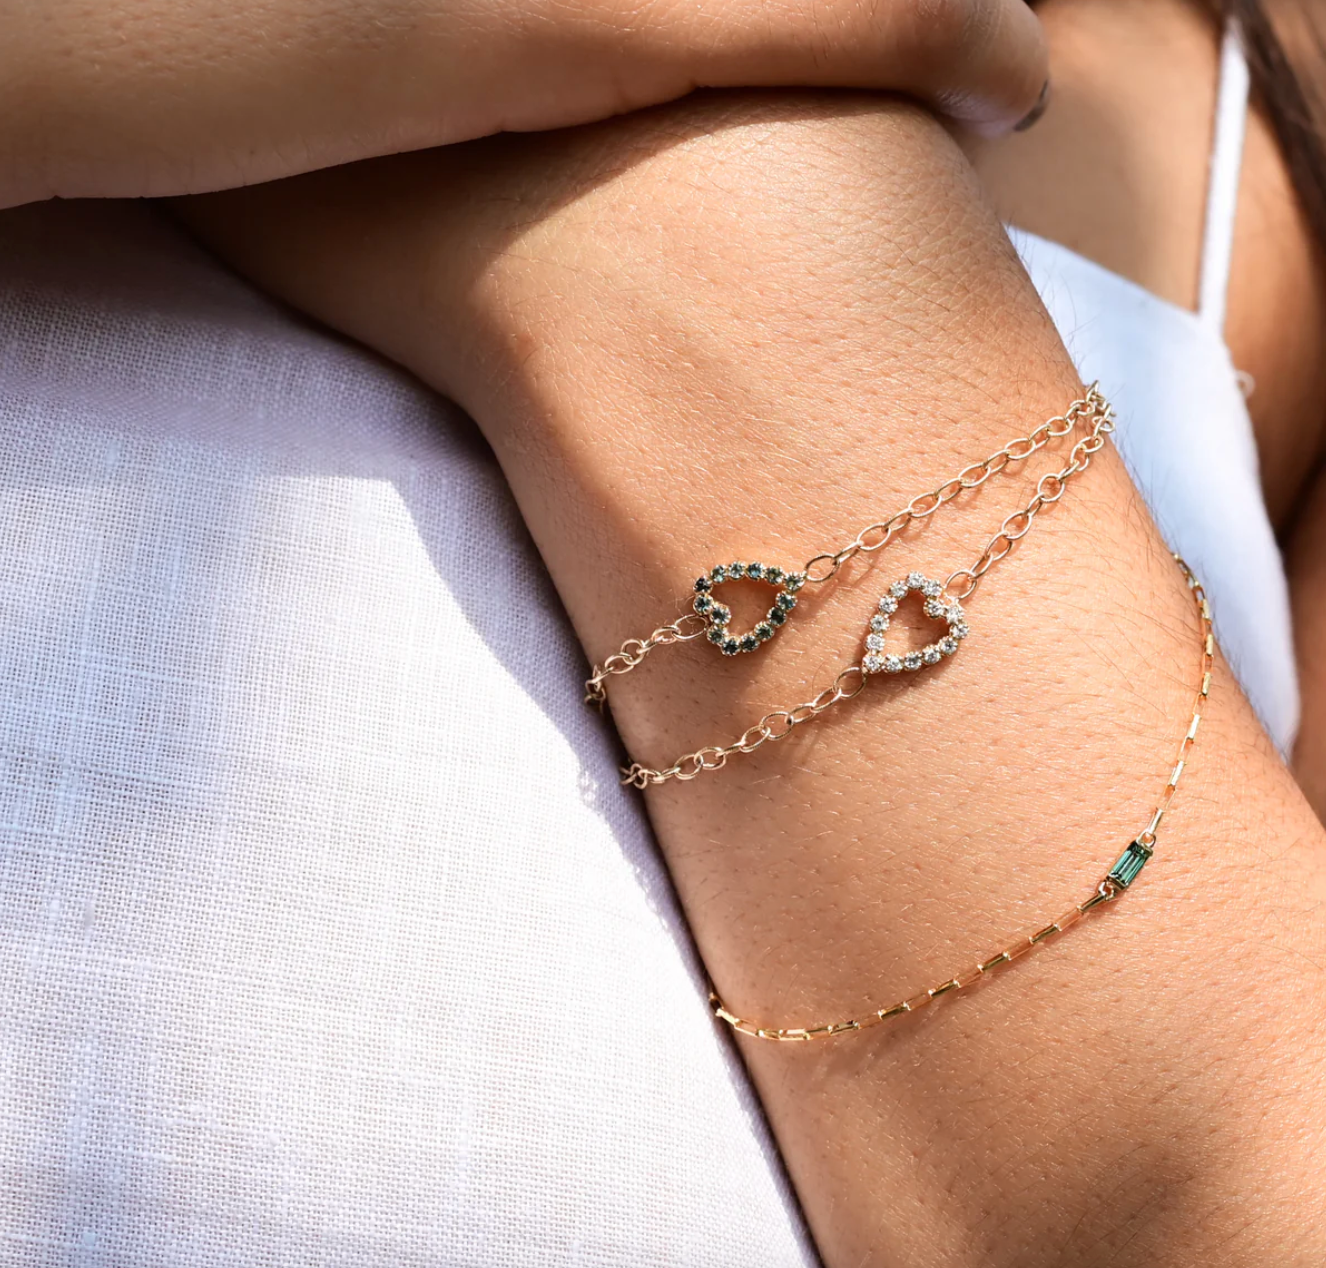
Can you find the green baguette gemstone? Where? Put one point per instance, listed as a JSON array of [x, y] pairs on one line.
[[1130, 863]]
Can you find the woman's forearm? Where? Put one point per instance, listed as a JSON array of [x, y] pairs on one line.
[[135, 98], [744, 328]]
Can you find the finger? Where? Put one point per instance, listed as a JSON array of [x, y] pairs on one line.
[[981, 62]]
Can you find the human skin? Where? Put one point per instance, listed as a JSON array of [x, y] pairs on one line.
[[1306, 560], [1132, 123], [132, 98], [744, 327]]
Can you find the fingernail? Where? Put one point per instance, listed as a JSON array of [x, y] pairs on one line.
[[1034, 114]]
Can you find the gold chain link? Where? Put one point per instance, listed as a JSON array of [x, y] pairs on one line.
[[780, 722], [634, 650], [1118, 879], [876, 536], [773, 726], [1049, 489]]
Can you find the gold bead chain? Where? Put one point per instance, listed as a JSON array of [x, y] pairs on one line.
[[1118, 879]]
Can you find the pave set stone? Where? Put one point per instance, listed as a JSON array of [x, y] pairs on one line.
[[719, 615], [935, 606]]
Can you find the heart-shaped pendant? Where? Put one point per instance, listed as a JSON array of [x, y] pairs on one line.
[[719, 616], [935, 606]]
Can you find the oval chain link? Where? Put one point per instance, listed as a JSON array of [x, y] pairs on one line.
[[775, 725], [875, 537], [634, 650], [1049, 489]]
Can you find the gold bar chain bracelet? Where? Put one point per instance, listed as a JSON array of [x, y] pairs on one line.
[[1124, 872]]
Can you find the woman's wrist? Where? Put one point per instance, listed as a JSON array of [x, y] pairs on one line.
[[744, 329]]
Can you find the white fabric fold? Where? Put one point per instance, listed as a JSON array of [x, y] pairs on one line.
[[327, 936]]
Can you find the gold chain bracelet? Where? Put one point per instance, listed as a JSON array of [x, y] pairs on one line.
[[1124, 872], [942, 601]]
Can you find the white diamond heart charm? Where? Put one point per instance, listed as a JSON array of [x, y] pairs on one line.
[[876, 662], [718, 615]]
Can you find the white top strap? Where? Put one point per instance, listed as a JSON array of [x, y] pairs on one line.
[[1223, 191]]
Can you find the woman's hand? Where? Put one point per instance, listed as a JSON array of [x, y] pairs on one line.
[[129, 98]]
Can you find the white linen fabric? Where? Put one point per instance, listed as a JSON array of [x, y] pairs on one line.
[[327, 936]]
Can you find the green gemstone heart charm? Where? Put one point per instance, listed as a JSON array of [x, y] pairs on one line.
[[718, 616], [935, 607]]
